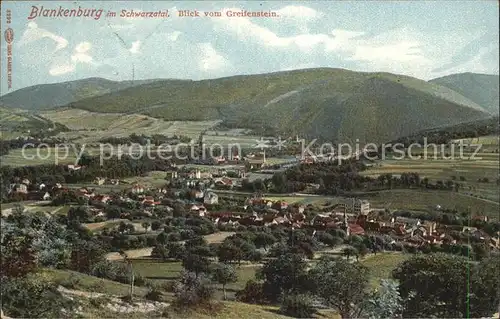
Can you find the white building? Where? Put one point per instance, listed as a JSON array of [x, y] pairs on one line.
[[211, 198], [356, 206]]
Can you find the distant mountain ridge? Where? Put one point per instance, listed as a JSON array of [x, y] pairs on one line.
[[335, 104], [483, 89], [47, 96]]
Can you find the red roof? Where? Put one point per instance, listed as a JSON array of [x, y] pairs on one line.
[[356, 229]]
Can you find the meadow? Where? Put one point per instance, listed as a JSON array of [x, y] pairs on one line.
[[90, 127], [476, 173], [46, 155], [422, 200]]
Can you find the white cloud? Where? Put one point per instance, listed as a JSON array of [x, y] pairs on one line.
[[34, 33], [246, 30], [211, 60], [135, 48], [394, 50], [298, 12], [173, 36], [62, 69], [80, 53]]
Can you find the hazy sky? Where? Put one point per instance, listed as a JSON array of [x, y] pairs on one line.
[[421, 39]]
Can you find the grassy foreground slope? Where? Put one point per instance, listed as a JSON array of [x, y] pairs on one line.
[[328, 103]]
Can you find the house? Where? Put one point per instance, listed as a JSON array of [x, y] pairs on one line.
[[481, 218], [72, 167], [99, 180], [409, 222], [280, 205], [307, 160], [354, 205], [354, 229], [102, 198], [46, 196], [19, 188], [150, 201], [220, 160], [194, 175], [42, 186], [114, 181], [211, 198], [255, 163], [137, 189], [429, 226], [26, 182], [198, 194], [172, 174], [224, 181], [205, 175], [420, 231]]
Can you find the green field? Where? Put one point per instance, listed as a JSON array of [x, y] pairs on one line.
[[152, 179], [90, 127], [43, 155], [426, 200], [162, 272], [483, 165], [381, 265]]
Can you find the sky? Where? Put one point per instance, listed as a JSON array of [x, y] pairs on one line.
[[424, 39]]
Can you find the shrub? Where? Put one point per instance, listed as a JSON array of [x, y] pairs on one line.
[[153, 295], [252, 293], [297, 306], [71, 282], [192, 291]]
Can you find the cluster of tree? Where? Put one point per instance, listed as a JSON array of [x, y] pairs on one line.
[[413, 180], [428, 286], [460, 131], [171, 230], [29, 242], [334, 179], [112, 168], [155, 139], [453, 217], [31, 142]]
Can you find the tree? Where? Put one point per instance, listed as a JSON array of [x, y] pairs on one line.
[[340, 284], [433, 285], [279, 181], [196, 263], [349, 251], [85, 254], [264, 240], [224, 274], [18, 257], [252, 293], [33, 296], [484, 288], [285, 274], [228, 252], [175, 250], [155, 225], [480, 250], [160, 252], [192, 290], [298, 306], [385, 302], [146, 225]]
